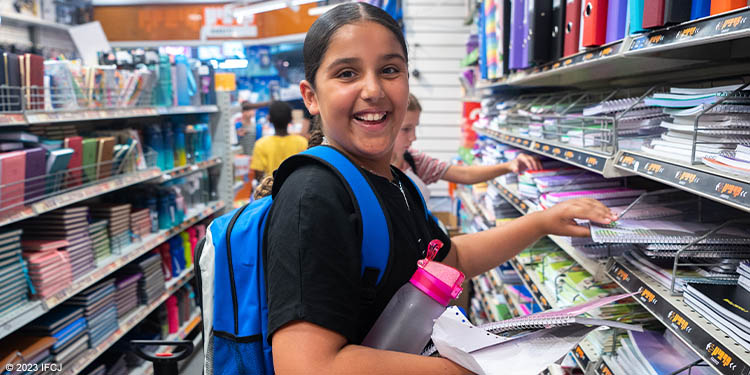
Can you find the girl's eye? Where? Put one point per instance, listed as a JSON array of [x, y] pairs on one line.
[[390, 70], [345, 74]]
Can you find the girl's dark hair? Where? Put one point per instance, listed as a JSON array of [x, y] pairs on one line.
[[319, 35], [280, 115]]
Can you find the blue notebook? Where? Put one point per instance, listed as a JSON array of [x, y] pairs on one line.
[[700, 9], [68, 333], [57, 162]]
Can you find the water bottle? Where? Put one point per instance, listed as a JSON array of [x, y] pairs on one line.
[[406, 323]]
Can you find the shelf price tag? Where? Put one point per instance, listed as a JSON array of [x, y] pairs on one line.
[[679, 322], [720, 357], [603, 369]]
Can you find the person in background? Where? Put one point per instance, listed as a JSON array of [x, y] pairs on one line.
[[425, 170], [270, 151], [247, 131]]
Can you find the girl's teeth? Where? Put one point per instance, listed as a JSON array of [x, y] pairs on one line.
[[372, 117]]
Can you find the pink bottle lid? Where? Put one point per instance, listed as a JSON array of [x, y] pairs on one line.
[[441, 282]]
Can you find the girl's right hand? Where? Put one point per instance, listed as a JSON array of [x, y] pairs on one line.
[[559, 219]]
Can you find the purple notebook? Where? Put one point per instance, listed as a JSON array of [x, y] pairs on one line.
[[517, 34], [35, 168], [526, 27], [617, 15], [124, 282], [564, 179]]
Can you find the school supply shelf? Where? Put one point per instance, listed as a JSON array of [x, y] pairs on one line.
[[694, 48], [724, 354], [21, 315], [127, 323]]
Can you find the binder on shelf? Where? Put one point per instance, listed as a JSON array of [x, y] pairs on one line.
[[721, 6], [105, 152], [635, 14], [13, 80], [34, 81], [89, 147], [572, 26], [539, 15], [700, 9], [525, 63], [617, 17], [676, 11], [653, 14], [57, 163], [507, 12], [558, 29], [594, 26], [517, 36]]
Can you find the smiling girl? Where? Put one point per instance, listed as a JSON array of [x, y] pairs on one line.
[[319, 309]]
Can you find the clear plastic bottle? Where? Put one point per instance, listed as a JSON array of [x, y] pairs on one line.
[[406, 323]]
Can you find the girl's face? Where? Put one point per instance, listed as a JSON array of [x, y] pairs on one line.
[[361, 91], [408, 133]]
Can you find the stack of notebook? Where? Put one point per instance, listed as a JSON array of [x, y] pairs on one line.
[[49, 268], [14, 283], [744, 271], [100, 310], [69, 224], [151, 286], [118, 218], [737, 161], [608, 196], [23, 349], [652, 352], [126, 296], [721, 130], [67, 325], [724, 306], [140, 223], [100, 239]]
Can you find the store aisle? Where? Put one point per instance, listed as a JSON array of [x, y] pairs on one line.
[[194, 365]]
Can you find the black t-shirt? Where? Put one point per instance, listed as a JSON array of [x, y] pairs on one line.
[[313, 252]]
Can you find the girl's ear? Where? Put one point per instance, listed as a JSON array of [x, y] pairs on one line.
[[308, 95]]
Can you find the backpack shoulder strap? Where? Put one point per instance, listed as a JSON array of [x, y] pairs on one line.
[[376, 241]]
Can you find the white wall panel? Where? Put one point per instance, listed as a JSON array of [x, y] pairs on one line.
[[436, 35]]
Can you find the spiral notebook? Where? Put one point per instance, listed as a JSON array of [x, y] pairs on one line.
[[667, 232]]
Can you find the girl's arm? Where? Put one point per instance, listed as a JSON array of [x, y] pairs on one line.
[[305, 348], [464, 174], [476, 253]]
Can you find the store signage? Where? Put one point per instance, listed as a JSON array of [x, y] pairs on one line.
[[574, 156], [679, 322], [648, 296], [582, 357], [701, 29], [720, 357], [684, 178], [603, 369]]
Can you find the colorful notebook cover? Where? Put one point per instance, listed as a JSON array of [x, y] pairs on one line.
[[700, 9], [13, 173], [617, 17], [594, 27], [635, 12], [90, 152], [35, 171], [76, 160]]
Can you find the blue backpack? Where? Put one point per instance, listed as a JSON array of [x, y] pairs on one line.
[[230, 275]]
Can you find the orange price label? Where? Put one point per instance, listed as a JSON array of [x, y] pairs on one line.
[[649, 296], [545, 148], [656, 39], [556, 151], [688, 32], [731, 23], [678, 321], [622, 275], [607, 51], [568, 154], [687, 177], [653, 168], [719, 356], [592, 161], [730, 189]]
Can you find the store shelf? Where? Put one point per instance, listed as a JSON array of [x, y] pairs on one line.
[[721, 352], [698, 49], [510, 193], [710, 183], [468, 202], [127, 323], [585, 355], [590, 160], [603, 368], [535, 286], [22, 315], [35, 117], [185, 170], [77, 195], [596, 268], [31, 21]]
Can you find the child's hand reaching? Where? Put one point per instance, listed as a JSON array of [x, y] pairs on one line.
[[559, 219]]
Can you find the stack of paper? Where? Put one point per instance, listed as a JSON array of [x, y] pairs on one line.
[[118, 223], [99, 309], [49, 269], [127, 293], [151, 286], [140, 223], [67, 325], [14, 284], [724, 306], [100, 239], [570, 182]]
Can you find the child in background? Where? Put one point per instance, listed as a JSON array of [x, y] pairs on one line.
[[425, 170], [270, 151]]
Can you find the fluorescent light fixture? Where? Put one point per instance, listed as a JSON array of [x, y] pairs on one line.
[[320, 10]]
